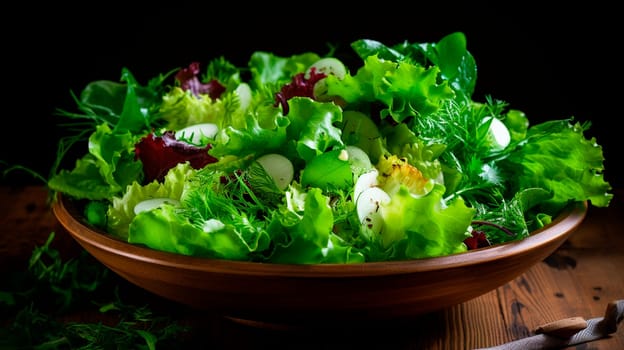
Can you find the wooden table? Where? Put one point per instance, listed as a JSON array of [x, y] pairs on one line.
[[579, 279]]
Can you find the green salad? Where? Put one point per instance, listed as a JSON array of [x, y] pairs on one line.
[[306, 159]]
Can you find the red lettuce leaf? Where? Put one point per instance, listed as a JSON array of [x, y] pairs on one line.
[[298, 87], [477, 240], [161, 153], [187, 77]]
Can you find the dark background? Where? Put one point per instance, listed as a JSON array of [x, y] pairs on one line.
[[551, 63]]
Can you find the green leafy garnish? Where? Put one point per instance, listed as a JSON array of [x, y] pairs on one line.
[[40, 307]]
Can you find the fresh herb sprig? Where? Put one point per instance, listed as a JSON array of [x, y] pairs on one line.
[[40, 303]]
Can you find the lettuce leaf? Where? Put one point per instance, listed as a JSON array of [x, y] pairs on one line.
[[428, 226], [560, 159], [166, 229], [302, 231], [269, 69], [121, 211], [103, 172], [405, 89], [312, 128]]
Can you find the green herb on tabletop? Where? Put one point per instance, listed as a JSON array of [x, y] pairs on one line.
[[41, 302], [303, 159]]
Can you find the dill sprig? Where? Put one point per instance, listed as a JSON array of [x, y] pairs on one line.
[[39, 306], [472, 164], [458, 127], [228, 198]]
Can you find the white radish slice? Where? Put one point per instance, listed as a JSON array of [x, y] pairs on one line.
[[213, 225], [328, 66], [244, 95], [358, 158], [364, 182], [358, 129], [194, 133], [153, 203], [368, 205], [279, 168], [498, 133]]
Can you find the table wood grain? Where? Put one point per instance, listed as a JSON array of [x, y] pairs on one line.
[[578, 279]]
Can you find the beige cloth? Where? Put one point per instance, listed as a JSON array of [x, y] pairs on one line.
[[597, 328]]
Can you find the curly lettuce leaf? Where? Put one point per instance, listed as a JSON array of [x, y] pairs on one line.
[[167, 229], [104, 171], [181, 108], [252, 139], [405, 89], [560, 159], [212, 219], [428, 226], [402, 142], [312, 129], [83, 181], [306, 132], [121, 210], [457, 65], [302, 231]]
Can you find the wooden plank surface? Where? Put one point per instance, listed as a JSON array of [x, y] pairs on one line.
[[579, 279]]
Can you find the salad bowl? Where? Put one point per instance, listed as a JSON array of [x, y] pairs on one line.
[[304, 294]]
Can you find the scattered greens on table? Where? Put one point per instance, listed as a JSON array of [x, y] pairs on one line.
[[305, 159], [43, 308]]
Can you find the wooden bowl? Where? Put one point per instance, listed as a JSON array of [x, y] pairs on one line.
[[327, 293]]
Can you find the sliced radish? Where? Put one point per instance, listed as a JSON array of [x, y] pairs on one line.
[[498, 133], [244, 95], [368, 204], [279, 168], [153, 203], [364, 182], [358, 159], [213, 225], [195, 133], [328, 66], [358, 129]]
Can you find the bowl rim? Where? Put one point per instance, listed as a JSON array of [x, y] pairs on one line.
[[561, 226]]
